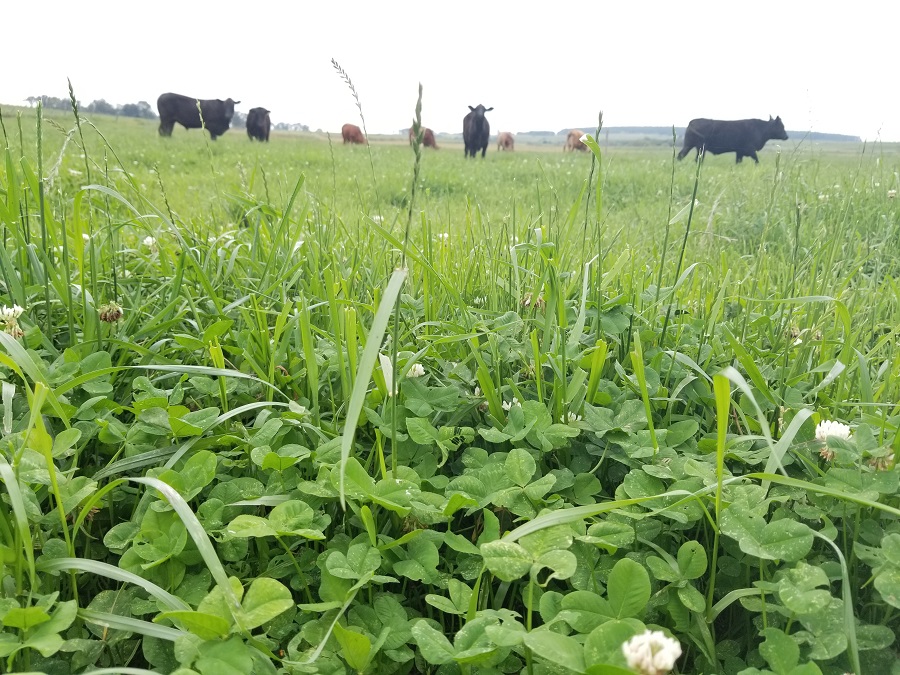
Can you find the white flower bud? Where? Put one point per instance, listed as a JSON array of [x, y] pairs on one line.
[[507, 405], [651, 653]]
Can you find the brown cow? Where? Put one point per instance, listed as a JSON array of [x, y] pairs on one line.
[[353, 134], [427, 138], [505, 141], [573, 141]]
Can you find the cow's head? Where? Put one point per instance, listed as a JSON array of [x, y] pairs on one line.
[[479, 110], [229, 107], [776, 129]]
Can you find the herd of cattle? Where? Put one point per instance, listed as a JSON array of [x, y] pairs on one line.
[[742, 137]]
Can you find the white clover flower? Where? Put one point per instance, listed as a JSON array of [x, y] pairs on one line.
[[892, 194], [479, 301], [508, 405], [377, 219], [477, 392], [86, 237], [571, 418], [443, 237], [416, 370], [651, 653], [827, 428], [10, 313], [823, 197], [149, 242]]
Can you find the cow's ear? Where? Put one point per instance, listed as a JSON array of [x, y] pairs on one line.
[[471, 108], [237, 102], [770, 118], [489, 109]]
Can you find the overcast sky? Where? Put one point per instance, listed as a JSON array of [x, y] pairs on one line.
[[822, 66]]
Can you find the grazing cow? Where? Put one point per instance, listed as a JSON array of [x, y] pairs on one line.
[[174, 108], [742, 137], [573, 141], [258, 124], [353, 134], [427, 138], [505, 141], [476, 131]]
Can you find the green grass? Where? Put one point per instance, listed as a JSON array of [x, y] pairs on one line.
[[228, 465]]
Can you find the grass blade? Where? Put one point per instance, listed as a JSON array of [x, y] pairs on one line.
[[366, 366]]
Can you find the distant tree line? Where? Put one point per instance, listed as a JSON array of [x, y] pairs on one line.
[[50, 102], [140, 109], [291, 126]]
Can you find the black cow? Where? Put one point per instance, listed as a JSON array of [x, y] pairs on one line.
[[183, 109], [258, 124], [476, 131], [742, 137]]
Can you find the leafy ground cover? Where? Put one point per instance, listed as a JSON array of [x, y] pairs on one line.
[[314, 408]]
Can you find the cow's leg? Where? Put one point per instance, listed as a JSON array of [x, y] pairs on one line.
[[738, 157], [483, 152], [165, 127], [753, 156]]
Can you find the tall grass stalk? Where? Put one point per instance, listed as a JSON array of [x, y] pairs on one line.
[[346, 78], [684, 241], [93, 263], [45, 244], [665, 244]]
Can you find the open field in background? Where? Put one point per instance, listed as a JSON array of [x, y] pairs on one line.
[[604, 411]]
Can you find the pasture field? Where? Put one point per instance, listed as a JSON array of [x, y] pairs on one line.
[[312, 408]]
